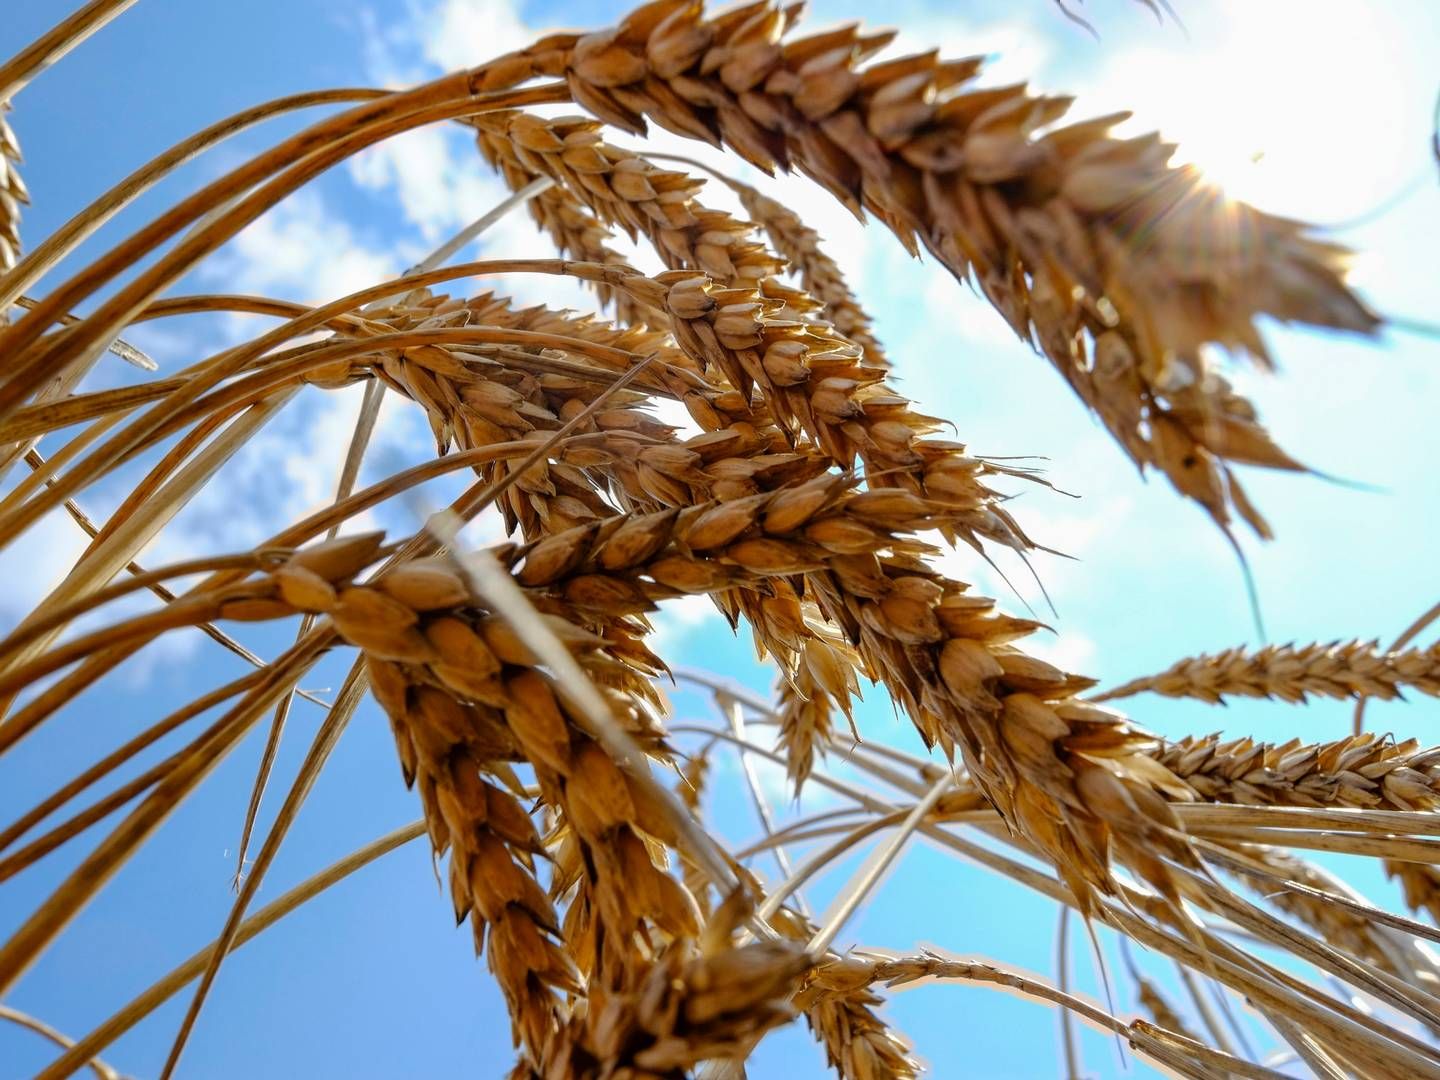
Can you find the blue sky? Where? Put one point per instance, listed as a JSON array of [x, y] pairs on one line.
[[371, 979]]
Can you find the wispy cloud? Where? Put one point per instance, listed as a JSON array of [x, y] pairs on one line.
[[302, 250]]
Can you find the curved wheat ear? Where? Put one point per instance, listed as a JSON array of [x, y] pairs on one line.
[[12, 195], [1118, 266], [1350, 670], [464, 699]]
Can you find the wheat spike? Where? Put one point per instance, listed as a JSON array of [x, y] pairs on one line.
[[1044, 218], [839, 1006], [463, 701], [1360, 770], [1347, 670], [12, 195]]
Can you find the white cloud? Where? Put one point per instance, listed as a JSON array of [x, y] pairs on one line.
[[300, 250], [438, 190], [1283, 131], [47, 551], [459, 33], [683, 619], [1013, 51]]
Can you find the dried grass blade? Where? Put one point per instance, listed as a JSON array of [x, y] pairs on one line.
[[50, 251], [736, 714], [112, 554], [220, 637], [50, 46], [856, 892], [1143, 1037], [109, 763]]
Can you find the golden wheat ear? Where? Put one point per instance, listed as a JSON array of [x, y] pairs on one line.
[[12, 194], [1119, 267], [629, 935]]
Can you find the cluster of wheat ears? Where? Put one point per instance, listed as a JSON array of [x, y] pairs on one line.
[[626, 939]]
